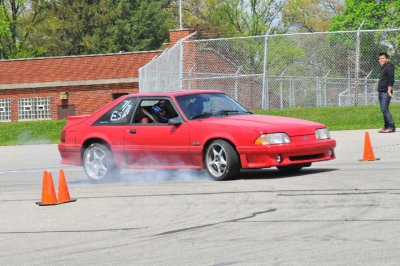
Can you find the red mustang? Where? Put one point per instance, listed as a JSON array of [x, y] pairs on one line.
[[189, 129]]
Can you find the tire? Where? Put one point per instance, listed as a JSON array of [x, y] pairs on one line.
[[221, 160], [99, 163]]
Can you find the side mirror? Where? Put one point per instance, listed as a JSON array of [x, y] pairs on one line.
[[176, 121]]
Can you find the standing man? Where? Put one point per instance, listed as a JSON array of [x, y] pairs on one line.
[[385, 90]]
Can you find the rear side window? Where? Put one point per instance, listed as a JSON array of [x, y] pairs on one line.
[[119, 115]]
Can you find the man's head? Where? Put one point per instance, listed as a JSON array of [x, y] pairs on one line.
[[383, 58], [160, 111]]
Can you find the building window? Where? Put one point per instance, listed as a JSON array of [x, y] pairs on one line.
[[34, 108], [5, 110]]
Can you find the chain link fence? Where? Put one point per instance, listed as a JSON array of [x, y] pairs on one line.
[[163, 72], [279, 71]]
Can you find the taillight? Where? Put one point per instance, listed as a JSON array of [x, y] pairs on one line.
[[63, 135]]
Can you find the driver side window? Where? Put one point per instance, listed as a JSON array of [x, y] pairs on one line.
[[154, 111]]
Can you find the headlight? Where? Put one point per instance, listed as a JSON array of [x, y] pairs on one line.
[[322, 133], [274, 138]]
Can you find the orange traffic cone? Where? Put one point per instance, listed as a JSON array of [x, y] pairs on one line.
[[48, 192], [368, 151], [63, 193]]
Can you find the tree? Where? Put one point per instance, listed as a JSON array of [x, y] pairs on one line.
[[254, 17], [17, 17], [372, 15], [76, 27], [381, 14], [227, 18], [142, 25], [310, 15], [204, 16], [4, 31]]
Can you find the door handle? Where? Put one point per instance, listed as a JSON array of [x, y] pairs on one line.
[[132, 131]]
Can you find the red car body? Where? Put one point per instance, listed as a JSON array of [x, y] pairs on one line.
[[183, 141]]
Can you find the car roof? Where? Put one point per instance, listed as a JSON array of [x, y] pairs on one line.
[[174, 93]]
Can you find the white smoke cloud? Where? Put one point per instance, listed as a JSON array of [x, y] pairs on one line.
[[25, 138], [158, 176]]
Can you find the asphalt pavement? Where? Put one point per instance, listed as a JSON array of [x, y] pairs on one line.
[[341, 212]]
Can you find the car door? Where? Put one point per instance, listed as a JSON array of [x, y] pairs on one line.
[[151, 142]]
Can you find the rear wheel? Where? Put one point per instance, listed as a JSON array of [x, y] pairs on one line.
[[221, 160], [99, 163]]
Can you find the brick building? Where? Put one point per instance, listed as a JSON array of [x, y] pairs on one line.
[[56, 87]]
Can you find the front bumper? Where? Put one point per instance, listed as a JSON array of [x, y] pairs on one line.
[[289, 154]]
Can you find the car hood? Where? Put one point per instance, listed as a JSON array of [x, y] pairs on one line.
[[268, 124]]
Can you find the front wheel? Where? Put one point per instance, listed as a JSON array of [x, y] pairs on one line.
[[222, 161], [99, 163]]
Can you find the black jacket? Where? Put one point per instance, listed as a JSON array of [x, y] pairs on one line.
[[386, 77]]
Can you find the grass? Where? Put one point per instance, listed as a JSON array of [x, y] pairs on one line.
[[336, 118], [340, 118], [32, 132]]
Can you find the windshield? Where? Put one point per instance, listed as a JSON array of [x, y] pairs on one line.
[[209, 104]]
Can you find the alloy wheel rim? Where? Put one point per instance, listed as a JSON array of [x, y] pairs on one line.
[[96, 164], [216, 160]]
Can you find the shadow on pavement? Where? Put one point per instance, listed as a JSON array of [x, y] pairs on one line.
[[274, 173], [157, 176]]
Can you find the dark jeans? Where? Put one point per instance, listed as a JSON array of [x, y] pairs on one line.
[[384, 101]]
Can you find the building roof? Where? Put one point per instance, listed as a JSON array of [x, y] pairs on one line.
[[73, 69]]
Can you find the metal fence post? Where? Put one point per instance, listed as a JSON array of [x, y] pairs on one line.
[[357, 70], [236, 83], [265, 91], [181, 65], [157, 78], [290, 92], [169, 72], [318, 91], [281, 90], [325, 85], [366, 88], [190, 77]]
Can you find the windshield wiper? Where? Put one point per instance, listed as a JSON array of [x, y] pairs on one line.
[[203, 115], [227, 112]]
